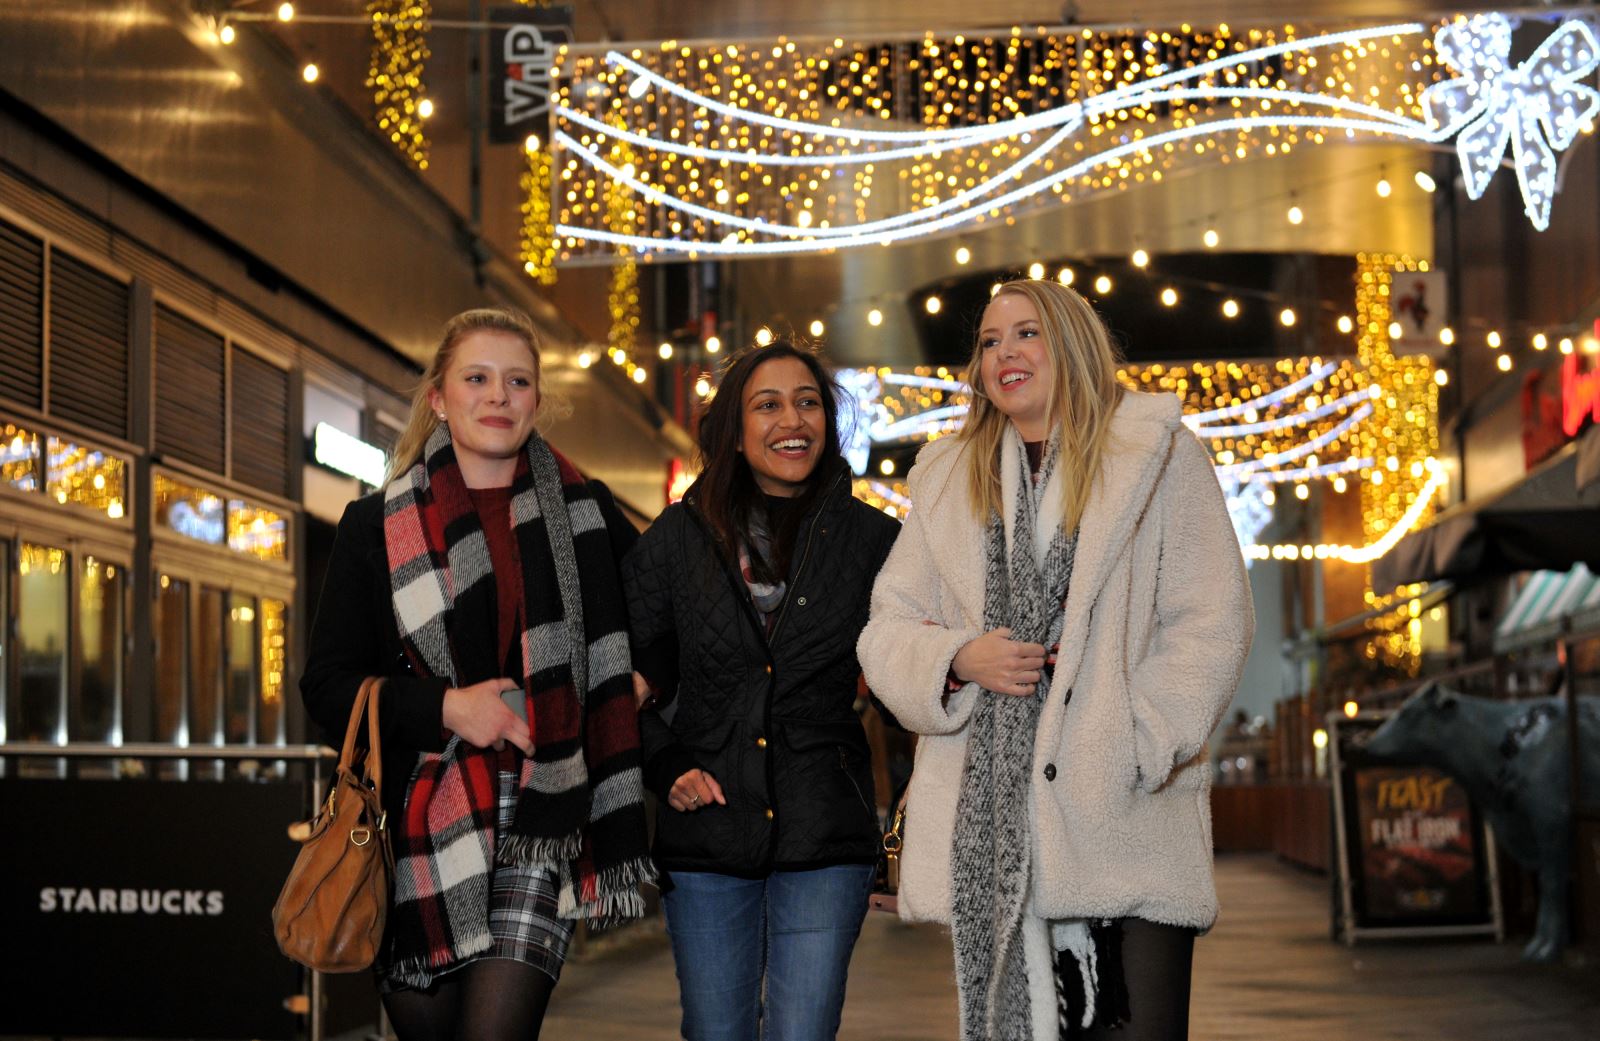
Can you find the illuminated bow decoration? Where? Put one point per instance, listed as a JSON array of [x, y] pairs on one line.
[[1539, 106]]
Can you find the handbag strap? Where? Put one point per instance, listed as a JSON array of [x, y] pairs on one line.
[[374, 761], [366, 705]]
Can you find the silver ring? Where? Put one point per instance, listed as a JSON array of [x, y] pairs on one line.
[[694, 800]]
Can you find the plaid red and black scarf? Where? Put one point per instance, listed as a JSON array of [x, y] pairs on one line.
[[581, 809]]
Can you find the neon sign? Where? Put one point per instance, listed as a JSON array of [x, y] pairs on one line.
[[1580, 393]]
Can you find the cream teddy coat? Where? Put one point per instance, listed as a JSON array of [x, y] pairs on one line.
[[1158, 623]]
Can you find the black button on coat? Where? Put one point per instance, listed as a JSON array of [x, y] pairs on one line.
[[772, 719]]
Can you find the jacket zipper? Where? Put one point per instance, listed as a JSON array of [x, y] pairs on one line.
[[811, 533]]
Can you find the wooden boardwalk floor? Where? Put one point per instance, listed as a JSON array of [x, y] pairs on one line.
[[1268, 972]]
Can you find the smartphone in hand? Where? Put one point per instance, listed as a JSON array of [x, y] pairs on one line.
[[516, 700]]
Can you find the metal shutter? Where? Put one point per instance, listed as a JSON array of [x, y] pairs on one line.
[[190, 418], [260, 409], [88, 346], [21, 316]]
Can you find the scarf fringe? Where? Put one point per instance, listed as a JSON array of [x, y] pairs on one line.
[[538, 850], [419, 971], [617, 898]]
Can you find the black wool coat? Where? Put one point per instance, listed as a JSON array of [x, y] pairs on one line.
[[355, 636], [772, 719]]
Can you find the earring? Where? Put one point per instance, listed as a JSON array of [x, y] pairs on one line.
[[441, 417]]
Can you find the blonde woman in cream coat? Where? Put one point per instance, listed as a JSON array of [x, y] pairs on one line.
[[1058, 815]]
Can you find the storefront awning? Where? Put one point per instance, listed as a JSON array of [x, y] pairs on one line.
[[1546, 521], [1550, 602]]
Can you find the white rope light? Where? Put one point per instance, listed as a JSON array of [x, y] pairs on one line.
[[1538, 108]]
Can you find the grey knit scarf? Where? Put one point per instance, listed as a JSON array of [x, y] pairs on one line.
[[992, 846]]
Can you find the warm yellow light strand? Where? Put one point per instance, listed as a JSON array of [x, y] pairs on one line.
[[538, 243], [399, 55], [624, 296]]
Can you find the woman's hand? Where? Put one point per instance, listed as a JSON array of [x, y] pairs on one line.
[[480, 718], [642, 692], [996, 662], [693, 790]]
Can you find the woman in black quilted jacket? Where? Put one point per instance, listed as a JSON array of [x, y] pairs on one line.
[[746, 602]]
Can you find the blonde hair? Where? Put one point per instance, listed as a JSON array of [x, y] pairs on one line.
[[1083, 395], [422, 422]]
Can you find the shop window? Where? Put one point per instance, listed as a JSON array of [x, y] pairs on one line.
[[274, 659], [172, 654], [97, 694], [257, 532], [204, 516], [19, 458], [35, 714], [86, 477], [5, 649], [205, 708], [191, 512], [242, 685]]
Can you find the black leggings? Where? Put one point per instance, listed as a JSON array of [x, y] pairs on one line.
[[492, 999], [1156, 961]]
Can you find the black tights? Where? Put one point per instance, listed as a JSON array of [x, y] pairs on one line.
[[1156, 960], [492, 999]]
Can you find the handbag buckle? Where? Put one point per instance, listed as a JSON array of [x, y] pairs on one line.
[[360, 836]]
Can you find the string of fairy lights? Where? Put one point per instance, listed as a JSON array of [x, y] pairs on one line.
[[743, 146]]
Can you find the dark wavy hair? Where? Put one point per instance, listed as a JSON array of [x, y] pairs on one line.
[[726, 493]]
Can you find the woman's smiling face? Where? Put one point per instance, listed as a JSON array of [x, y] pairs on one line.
[[1015, 366], [784, 424]]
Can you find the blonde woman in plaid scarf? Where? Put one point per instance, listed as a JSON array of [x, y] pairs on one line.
[[483, 583]]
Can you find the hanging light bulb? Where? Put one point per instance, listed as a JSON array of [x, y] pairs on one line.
[[1169, 296], [1140, 258], [763, 336], [1065, 276], [932, 305], [1345, 324], [963, 254], [285, 12], [1493, 340], [1504, 361], [817, 328], [1396, 330], [1447, 336], [1425, 182], [1441, 377], [1036, 270], [425, 108], [1287, 316], [1230, 308], [226, 35], [1385, 189], [1211, 238], [1296, 215], [1566, 345], [310, 72], [713, 344], [1102, 285], [1540, 341], [665, 351], [874, 317]]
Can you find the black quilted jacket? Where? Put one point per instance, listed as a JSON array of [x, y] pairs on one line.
[[771, 720]]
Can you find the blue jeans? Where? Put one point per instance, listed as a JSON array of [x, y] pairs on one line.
[[793, 930]]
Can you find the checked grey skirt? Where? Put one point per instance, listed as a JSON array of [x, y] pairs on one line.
[[523, 924]]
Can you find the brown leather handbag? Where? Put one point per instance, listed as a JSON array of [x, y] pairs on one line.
[[330, 914]]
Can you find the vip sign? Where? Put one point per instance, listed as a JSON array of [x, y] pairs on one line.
[[1418, 301], [523, 49]]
